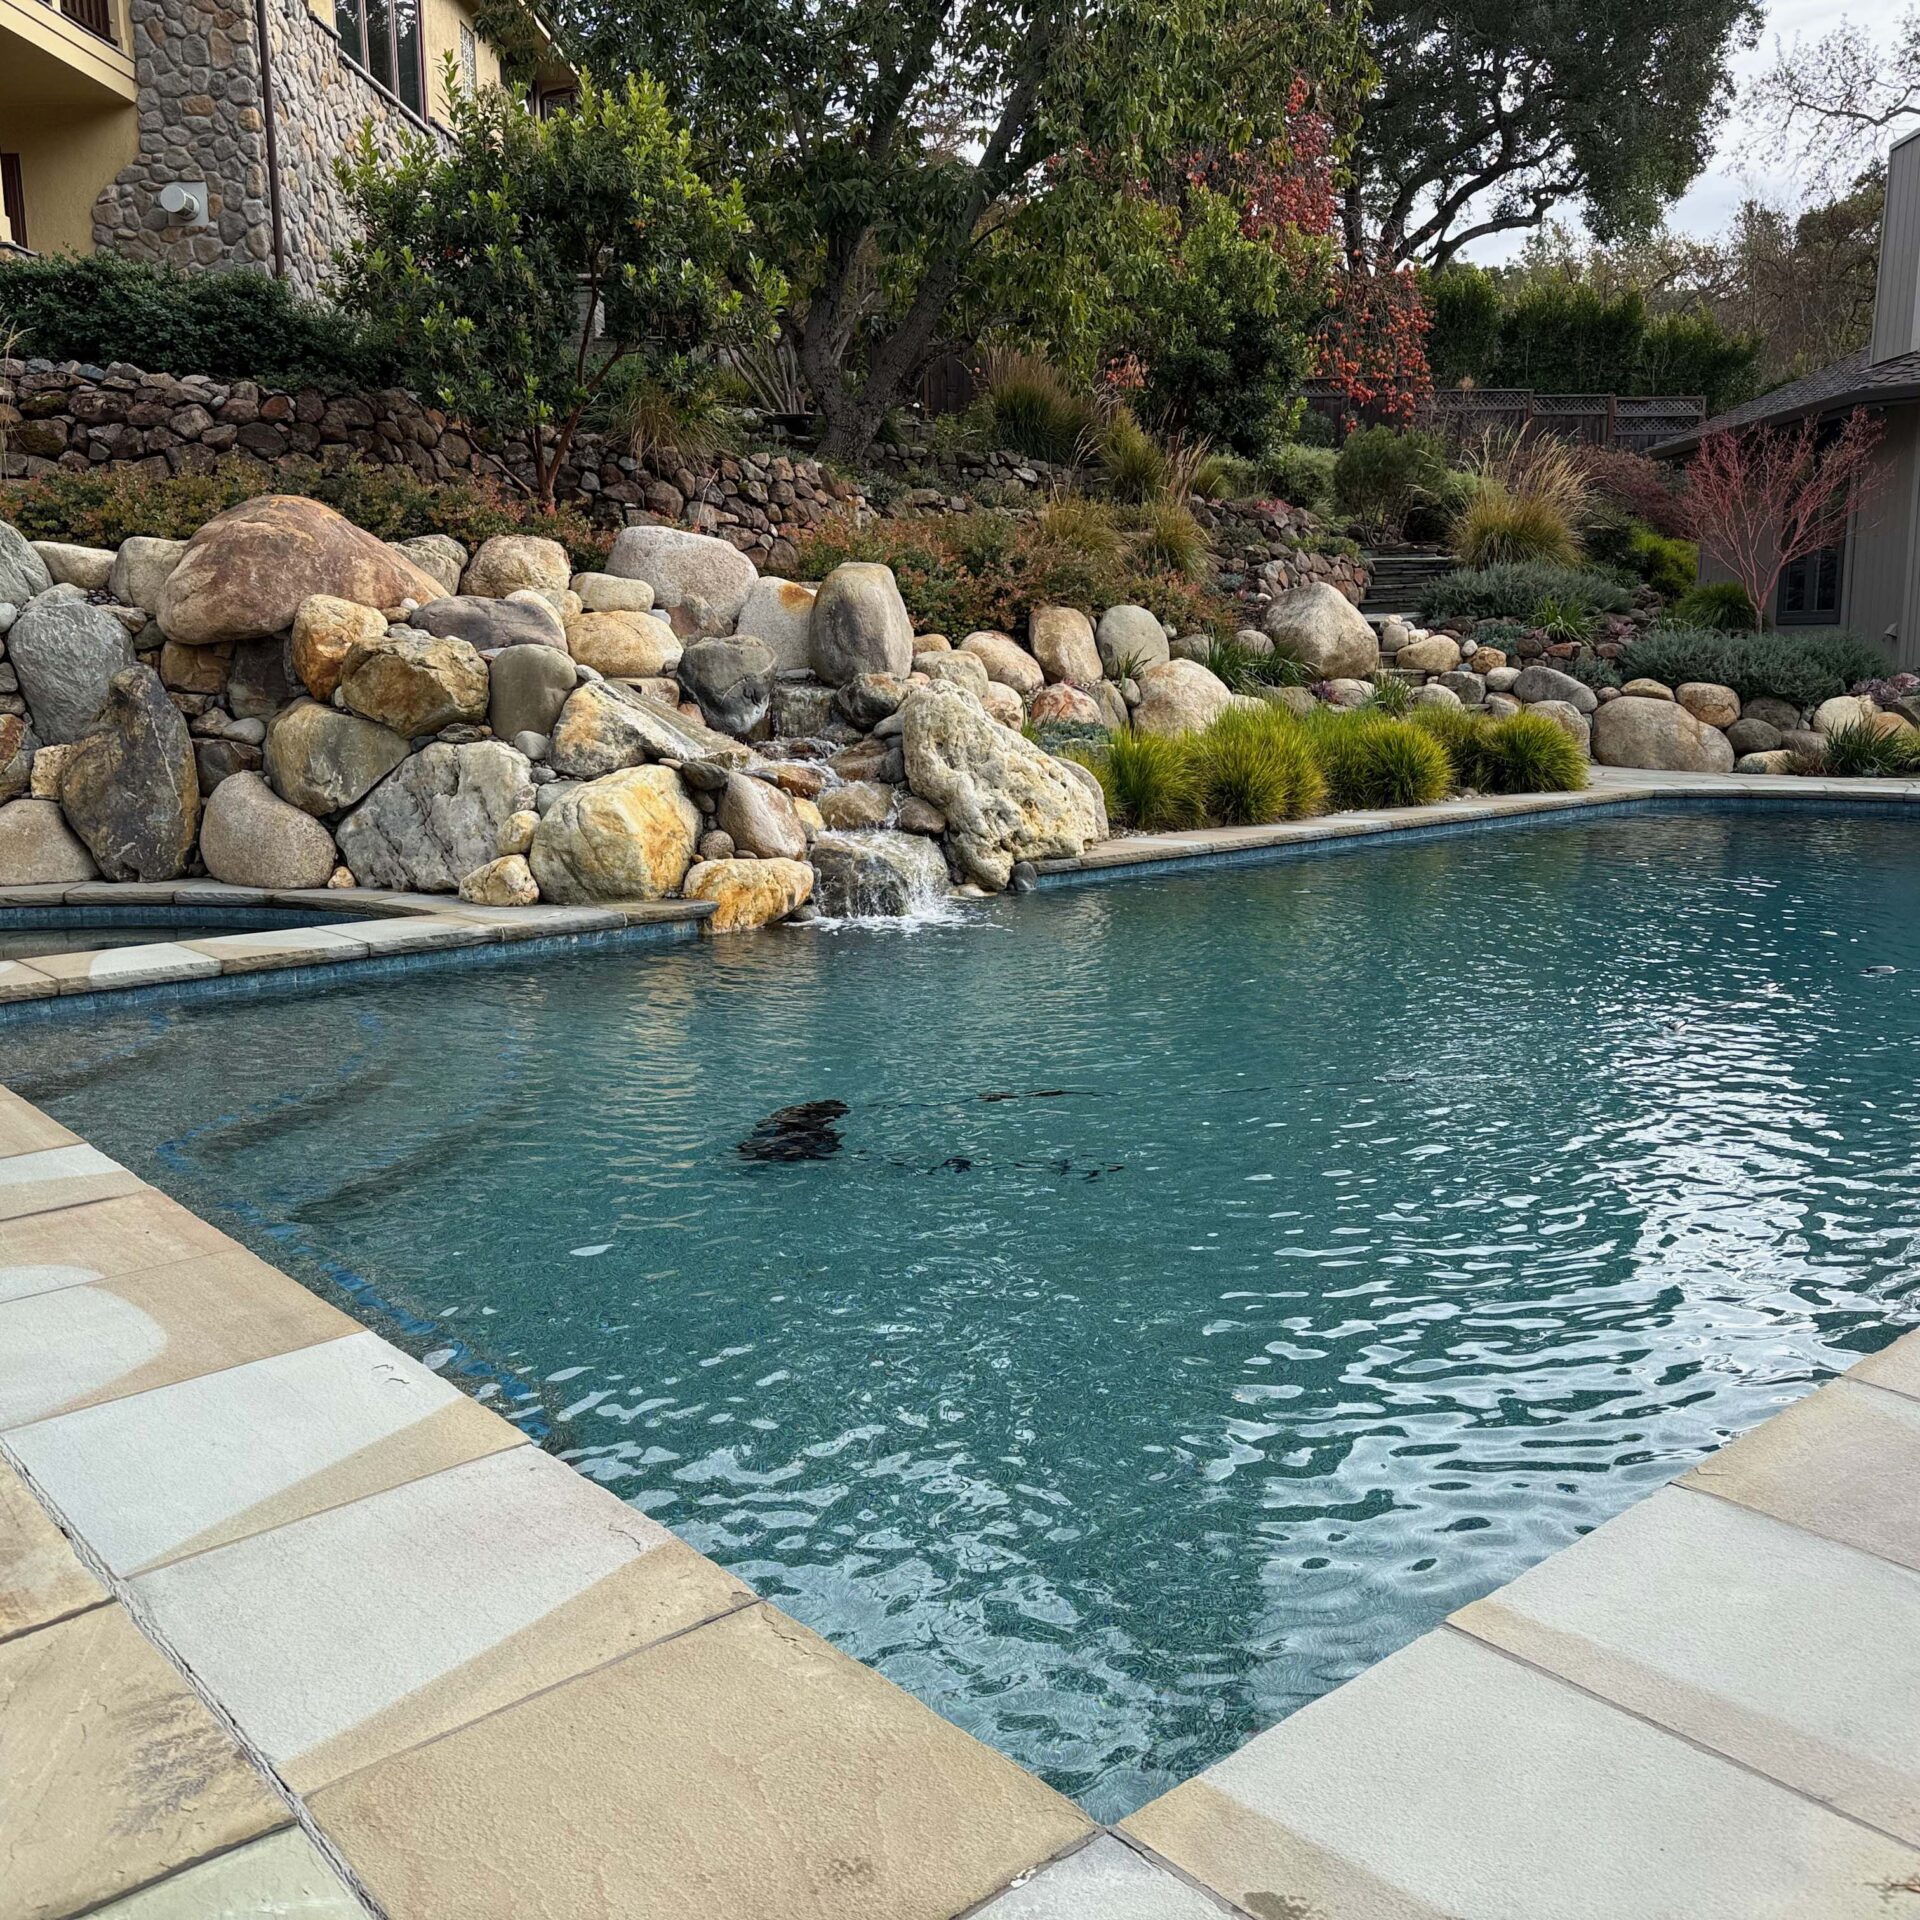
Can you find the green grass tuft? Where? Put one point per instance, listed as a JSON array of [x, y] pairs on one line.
[[1252, 768], [1528, 753], [1370, 760], [1150, 783], [1864, 752]]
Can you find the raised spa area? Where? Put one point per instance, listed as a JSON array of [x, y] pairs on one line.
[[1122, 1314]]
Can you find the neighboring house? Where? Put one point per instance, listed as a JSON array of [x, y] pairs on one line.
[[204, 131], [1870, 581]]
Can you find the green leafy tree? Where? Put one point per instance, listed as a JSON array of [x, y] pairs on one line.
[[885, 143], [518, 269]]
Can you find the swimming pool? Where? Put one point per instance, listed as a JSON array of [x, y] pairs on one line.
[[25, 931], [1216, 1279]]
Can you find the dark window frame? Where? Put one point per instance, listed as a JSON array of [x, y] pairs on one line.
[[1817, 583], [384, 41], [13, 196]]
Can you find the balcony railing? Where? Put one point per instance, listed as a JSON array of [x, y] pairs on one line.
[[95, 15]]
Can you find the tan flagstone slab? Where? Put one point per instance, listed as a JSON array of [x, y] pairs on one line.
[[396, 936], [1453, 1783], [25, 1129], [1790, 1653], [143, 966], [115, 1773], [19, 981], [192, 1466], [106, 1237], [1844, 1463], [1896, 1367], [73, 1347], [283, 1877], [343, 1639], [41, 1578], [279, 947], [54, 1177], [1104, 1881], [744, 1771]]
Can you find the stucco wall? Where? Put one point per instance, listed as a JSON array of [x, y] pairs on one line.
[[66, 157]]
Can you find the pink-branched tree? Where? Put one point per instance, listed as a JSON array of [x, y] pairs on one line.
[[1760, 500]]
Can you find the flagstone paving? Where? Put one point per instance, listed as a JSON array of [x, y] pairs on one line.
[[41, 1578], [283, 1877]]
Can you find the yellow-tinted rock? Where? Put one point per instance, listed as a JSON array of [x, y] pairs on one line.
[[751, 893], [195, 669], [506, 882], [324, 632], [510, 561], [623, 645], [414, 683], [626, 836]]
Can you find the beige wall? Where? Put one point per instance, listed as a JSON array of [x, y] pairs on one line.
[[441, 21]]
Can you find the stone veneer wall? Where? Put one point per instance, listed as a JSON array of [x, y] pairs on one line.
[[198, 64]]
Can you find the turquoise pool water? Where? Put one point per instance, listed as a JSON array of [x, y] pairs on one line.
[[1218, 1279], [25, 931]]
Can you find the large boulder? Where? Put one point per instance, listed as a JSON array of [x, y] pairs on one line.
[[760, 819], [1065, 702], [1830, 716], [780, 612], [88, 568], [436, 817], [439, 555], [1433, 653], [321, 760], [1709, 701], [1750, 735], [701, 582], [23, 573], [623, 646], [66, 652], [526, 688], [325, 631], [245, 573], [38, 848], [859, 625], [1658, 734], [1061, 639], [510, 561], [130, 789], [414, 683], [1322, 629], [141, 569], [731, 681], [250, 837], [487, 624], [1548, 683], [751, 893], [1005, 799], [967, 671], [1130, 638], [1782, 715], [1569, 719], [1180, 696], [604, 727], [876, 875], [608, 593], [1006, 661], [505, 882], [626, 836]]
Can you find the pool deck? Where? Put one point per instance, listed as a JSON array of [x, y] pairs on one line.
[[289, 1624]]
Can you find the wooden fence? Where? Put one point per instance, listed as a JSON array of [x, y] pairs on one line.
[[1468, 415]]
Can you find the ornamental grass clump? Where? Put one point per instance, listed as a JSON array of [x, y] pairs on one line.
[[1149, 781], [1370, 760], [1528, 753], [1864, 752], [1526, 502], [1254, 768], [1461, 733]]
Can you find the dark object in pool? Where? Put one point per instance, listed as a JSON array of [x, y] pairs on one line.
[[805, 1132]]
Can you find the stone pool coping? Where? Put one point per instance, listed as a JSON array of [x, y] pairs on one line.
[[284, 1616]]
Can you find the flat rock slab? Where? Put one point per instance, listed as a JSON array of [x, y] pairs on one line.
[[1796, 1656], [350, 1636], [116, 1773], [1843, 1463], [1896, 1368], [283, 1875], [18, 981], [280, 947], [1104, 1881], [59, 1177], [143, 966], [25, 1129], [754, 1770], [101, 1339], [83, 1243], [196, 1465], [41, 1578], [1453, 1783]]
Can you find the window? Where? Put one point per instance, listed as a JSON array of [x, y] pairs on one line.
[[469, 59], [1809, 592], [13, 197], [382, 38]]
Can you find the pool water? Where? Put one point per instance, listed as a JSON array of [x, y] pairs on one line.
[[25, 931], [1217, 1279]]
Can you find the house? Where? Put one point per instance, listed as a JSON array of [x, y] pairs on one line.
[[203, 132], [1869, 582]]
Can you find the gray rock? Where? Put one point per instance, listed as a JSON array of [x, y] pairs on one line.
[[1132, 637], [38, 848], [250, 837], [731, 681], [604, 727], [702, 581], [608, 593], [66, 653], [1548, 683], [858, 804], [437, 817], [869, 699], [526, 686], [1503, 679], [1433, 694], [1805, 744], [1321, 628], [866, 875], [1569, 719], [533, 745], [760, 819], [859, 625], [262, 679], [1469, 687], [322, 760], [1750, 734], [22, 571], [780, 612], [1782, 715], [130, 788], [803, 709], [967, 671], [88, 568], [217, 761], [485, 624], [142, 566], [438, 554]]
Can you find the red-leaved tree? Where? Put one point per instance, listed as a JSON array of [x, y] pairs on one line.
[[1760, 500], [1372, 346]]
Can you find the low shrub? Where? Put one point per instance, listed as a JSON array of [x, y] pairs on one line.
[[1669, 567], [1252, 768], [1801, 668], [232, 326], [1499, 528], [1518, 591], [1302, 476], [1370, 760], [1721, 604], [107, 505], [1863, 752], [1225, 476], [1635, 485], [1591, 671], [1383, 479], [1150, 782]]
